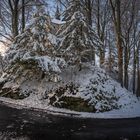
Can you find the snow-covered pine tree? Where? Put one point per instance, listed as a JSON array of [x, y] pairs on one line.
[[73, 6], [78, 39], [32, 52]]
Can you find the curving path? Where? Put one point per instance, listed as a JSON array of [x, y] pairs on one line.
[[32, 125]]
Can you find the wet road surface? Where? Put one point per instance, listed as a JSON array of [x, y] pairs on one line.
[[32, 125]]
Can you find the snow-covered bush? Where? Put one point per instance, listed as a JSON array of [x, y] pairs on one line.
[[13, 92], [96, 93], [100, 92], [65, 97]]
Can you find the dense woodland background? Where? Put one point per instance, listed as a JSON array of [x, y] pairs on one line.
[[115, 25]]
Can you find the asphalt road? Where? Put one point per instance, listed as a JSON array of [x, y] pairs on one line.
[[32, 125]]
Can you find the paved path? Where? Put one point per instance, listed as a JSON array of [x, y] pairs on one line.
[[34, 125]]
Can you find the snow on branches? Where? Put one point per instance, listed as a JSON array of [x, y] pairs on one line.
[[33, 49]]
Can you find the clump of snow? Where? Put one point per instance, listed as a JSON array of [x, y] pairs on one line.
[[53, 39], [46, 63], [56, 21], [49, 64], [3, 49]]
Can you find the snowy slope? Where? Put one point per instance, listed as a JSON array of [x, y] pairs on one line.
[[96, 87], [127, 104]]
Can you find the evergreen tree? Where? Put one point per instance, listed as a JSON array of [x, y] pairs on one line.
[[78, 39], [33, 51], [73, 6]]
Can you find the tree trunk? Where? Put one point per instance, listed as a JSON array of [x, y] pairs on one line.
[[14, 10], [138, 83], [134, 70], [138, 73], [119, 44], [126, 61], [117, 23], [110, 57], [100, 34], [89, 11], [23, 15], [15, 19]]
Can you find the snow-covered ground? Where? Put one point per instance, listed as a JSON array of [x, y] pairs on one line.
[[34, 103], [103, 95], [129, 104]]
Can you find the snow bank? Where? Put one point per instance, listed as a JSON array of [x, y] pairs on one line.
[[127, 102], [34, 103]]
